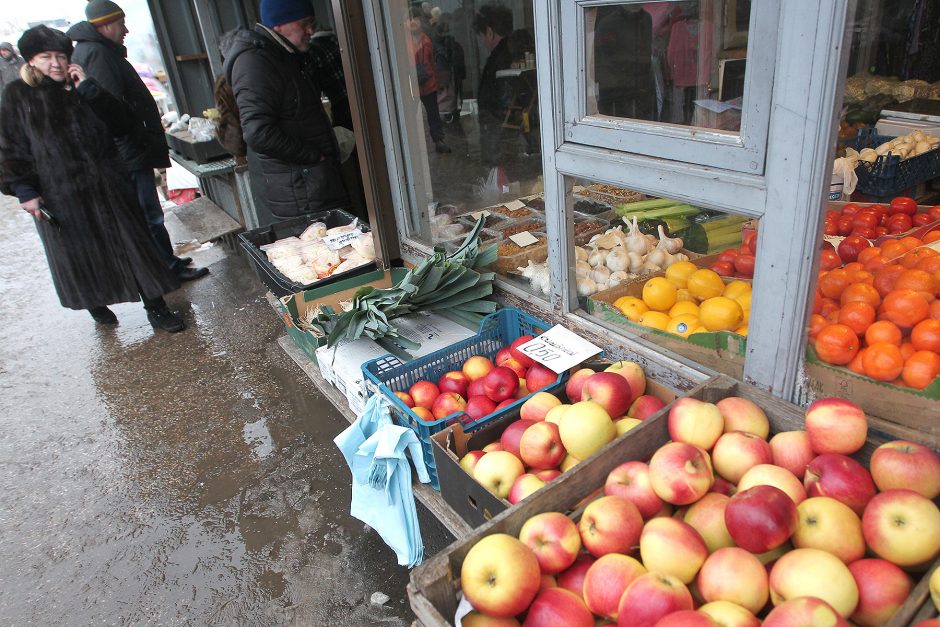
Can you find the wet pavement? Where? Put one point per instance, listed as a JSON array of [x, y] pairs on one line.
[[150, 478]]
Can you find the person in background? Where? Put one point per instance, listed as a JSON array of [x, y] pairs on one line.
[[100, 50], [10, 64], [422, 51], [328, 61], [58, 157], [444, 58], [229, 125], [493, 25], [291, 146]]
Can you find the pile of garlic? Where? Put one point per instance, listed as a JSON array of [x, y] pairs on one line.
[[307, 259], [612, 258], [905, 146]]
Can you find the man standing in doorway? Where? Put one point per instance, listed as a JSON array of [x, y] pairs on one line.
[[291, 146], [100, 51]]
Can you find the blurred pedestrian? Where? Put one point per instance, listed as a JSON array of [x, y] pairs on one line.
[[422, 52], [10, 64], [59, 158]]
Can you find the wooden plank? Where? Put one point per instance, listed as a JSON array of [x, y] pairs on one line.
[[918, 605], [428, 496]]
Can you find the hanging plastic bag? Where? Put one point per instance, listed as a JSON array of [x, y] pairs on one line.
[[346, 140], [844, 179]]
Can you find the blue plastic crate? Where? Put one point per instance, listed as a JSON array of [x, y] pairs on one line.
[[388, 374], [889, 176]]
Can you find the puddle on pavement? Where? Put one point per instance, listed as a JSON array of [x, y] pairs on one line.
[[258, 437]]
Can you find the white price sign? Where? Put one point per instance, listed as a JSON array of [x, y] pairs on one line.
[[476, 215], [558, 349], [512, 205], [524, 239], [835, 240], [341, 240]]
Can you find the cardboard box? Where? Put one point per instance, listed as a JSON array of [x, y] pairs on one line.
[[472, 502]]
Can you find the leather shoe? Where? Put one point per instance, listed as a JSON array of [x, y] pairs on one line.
[[184, 261], [103, 315], [165, 320], [190, 274]]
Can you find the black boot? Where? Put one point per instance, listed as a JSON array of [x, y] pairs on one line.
[[164, 319], [185, 273], [103, 315]]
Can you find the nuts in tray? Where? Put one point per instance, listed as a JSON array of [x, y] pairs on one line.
[[590, 207], [531, 225], [522, 212], [580, 228], [536, 203], [509, 248], [608, 193]]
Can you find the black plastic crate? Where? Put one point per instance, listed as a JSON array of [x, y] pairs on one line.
[[200, 152], [252, 241], [888, 176]]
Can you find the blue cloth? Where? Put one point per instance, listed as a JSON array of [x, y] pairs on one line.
[[277, 12], [375, 449]]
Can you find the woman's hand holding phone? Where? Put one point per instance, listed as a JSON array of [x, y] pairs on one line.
[[76, 74]]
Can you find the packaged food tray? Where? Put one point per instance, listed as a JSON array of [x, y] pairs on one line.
[[888, 176]]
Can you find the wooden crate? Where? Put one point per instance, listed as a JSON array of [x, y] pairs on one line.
[[434, 585]]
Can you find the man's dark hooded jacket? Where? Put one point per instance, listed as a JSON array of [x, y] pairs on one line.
[[288, 133], [106, 62]]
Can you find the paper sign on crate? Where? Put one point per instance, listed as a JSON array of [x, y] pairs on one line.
[[558, 349]]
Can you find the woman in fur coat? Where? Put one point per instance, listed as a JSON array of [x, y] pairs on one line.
[[58, 157]]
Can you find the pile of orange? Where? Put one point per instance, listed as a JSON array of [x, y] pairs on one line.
[[880, 316]]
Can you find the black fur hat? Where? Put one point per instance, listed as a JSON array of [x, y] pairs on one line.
[[43, 39]]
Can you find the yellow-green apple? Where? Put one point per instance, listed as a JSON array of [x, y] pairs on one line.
[[512, 436], [611, 524], [502, 355], [680, 473], [645, 406], [454, 381], [517, 354], [729, 614], [902, 464], [554, 539], [405, 398], [576, 383], [515, 366], [841, 478], [686, 618], [830, 525], [631, 480], [781, 478], [606, 581], [804, 612], [423, 413], [732, 574], [585, 428], [492, 446], [555, 413], [882, 589], [500, 576], [446, 404], [476, 619], [548, 475], [557, 606], [469, 461], [934, 586], [572, 578], [505, 404], [791, 450], [479, 407], [651, 597], [569, 462], [538, 405], [625, 424], [523, 486], [835, 425], [610, 391], [540, 446], [538, 377], [760, 518], [736, 452], [476, 388], [497, 471], [500, 383], [814, 572], [424, 393], [668, 545], [477, 367], [902, 527], [723, 486], [741, 414], [695, 422], [707, 516], [522, 391], [633, 373]]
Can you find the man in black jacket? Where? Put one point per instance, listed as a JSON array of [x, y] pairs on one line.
[[100, 51], [291, 146]]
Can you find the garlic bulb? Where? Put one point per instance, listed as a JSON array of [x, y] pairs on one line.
[[636, 261], [582, 268], [651, 241], [600, 274], [670, 259], [544, 283], [616, 278], [648, 267], [617, 260], [670, 244], [636, 242], [586, 286], [681, 257], [580, 253], [529, 270], [606, 241], [656, 257], [596, 258]]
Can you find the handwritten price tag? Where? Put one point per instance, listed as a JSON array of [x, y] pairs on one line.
[[512, 205], [341, 240], [524, 239], [558, 349]]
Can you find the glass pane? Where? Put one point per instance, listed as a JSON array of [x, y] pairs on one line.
[[467, 87], [674, 62], [680, 279]]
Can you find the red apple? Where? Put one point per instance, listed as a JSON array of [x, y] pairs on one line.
[[606, 581], [500, 384], [454, 381], [687, 618], [902, 527], [500, 576], [502, 355], [610, 391], [741, 414], [680, 473], [423, 413], [518, 355], [479, 407], [548, 581], [791, 450], [645, 406], [651, 597], [631, 481], [723, 486], [538, 377], [523, 486], [901, 464], [835, 425], [548, 475], [732, 574], [573, 578], [508, 402], [695, 422], [477, 367], [761, 518], [882, 590], [515, 366], [538, 405], [841, 478], [522, 390], [557, 606], [424, 393], [736, 452], [575, 384], [446, 404], [469, 461], [610, 524], [673, 547], [633, 373], [512, 436], [554, 539], [540, 446], [804, 612], [405, 398], [475, 388]]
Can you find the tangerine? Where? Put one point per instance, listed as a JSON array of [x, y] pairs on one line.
[[828, 306], [886, 277], [860, 293], [911, 259], [892, 250], [929, 264], [856, 364], [654, 320], [919, 281], [705, 284], [935, 310], [875, 263], [883, 331], [857, 316], [683, 307], [836, 344], [832, 283], [905, 308], [631, 306], [926, 335], [932, 237], [853, 267], [907, 349], [659, 294], [910, 242], [883, 361], [816, 324], [678, 273], [921, 369], [868, 254]]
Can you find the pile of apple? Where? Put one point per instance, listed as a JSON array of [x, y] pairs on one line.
[[551, 437], [480, 387], [792, 529]]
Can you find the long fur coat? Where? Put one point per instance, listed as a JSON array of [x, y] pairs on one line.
[[59, 142]]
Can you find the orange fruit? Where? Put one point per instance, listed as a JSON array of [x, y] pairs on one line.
[[929, 264], [868, 254], [883, 331], [683, 307], [883, 361], [910, 242], [631, 306], [926, 335], [853, 267], [892, 249], [816, 324], [857, 316], [860, 293], [721, 314], [932, 237], [834, 282], [921, 369], [654, 320], [905, 308], [856, 365], [886, 277], [659, 294], [935, 310], [919, 281], [911, 259], [828, 306], [678, 273], [837, 344], [875, 263], [907, 349], [705, 284]]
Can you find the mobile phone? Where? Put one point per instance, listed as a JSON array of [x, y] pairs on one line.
[[48, 216]]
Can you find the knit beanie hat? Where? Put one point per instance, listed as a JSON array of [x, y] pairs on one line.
[[277, 12], [43, 39], [101, 12]]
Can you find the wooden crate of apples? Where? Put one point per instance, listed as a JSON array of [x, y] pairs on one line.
[[703, 521]]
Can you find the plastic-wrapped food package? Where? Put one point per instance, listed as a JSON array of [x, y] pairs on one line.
[[317, 230]]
